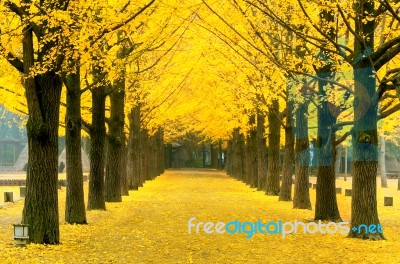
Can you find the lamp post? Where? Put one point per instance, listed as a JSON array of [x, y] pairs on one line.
[[21, 235]]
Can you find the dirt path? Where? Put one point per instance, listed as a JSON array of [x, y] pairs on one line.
[[151, 226]]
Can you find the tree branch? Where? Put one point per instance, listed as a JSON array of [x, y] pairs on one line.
[[86, 126], [387, 113], [388, 55], [118, 26], [342, 138]]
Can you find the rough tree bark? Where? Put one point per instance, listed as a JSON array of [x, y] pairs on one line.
[[398, 173], [382, 163], [124, 172], [41, 201], [134, 177], [285, 193], [364, 136], [161, 153], [43, 93], [252, 155], [272, 184], [261, 152], [214, 156], [338, 161], [168, 156], [301, 199], [116, 142], [326, 204], [75, 212], [144, 156], [97, 135], [233, 156], [241, 156], [229, 158]]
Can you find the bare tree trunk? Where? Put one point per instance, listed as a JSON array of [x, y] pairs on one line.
[[144, 156], [97, 135], [301, 198], [338, 159], [43, 94], [161, 149], [134, 149], [398, 173], [382, 163], [345, 164], [285, 193], [326, 204], [261, 152], [364, 133], [272, 184], [41, 201], [116, 142], [252, 158], [124, 172], [251, 153], [75, 212], [214, 157], [240, 154]]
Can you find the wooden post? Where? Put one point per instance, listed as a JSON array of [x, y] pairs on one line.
[[388, 201], [8, 197], [22, 191]]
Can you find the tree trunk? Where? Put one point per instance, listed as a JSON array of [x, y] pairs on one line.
[[238, 154], [144, 156], [326, 208], [345, 164], [364, 134], [272, 184], [301, 198], [134, 149], [382, 163], [43, 93], [261, 152], [75, 212], [285, 193], [214, 157], [252, 156], [241, 153], [398, 173], [124, 172], [229, 158], [153, 165], [115, 139], [41, 201], [251, 153], [338, 159], [365, 156], [234, 154], [221, 161], [97, 134], [158, 153], [326, 204], [168, 156]]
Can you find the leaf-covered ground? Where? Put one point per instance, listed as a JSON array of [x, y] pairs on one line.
[[151, 226]]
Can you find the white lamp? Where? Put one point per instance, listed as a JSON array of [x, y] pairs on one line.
[[21, 235]]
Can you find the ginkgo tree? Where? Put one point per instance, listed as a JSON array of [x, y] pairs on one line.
[[45, 43]]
